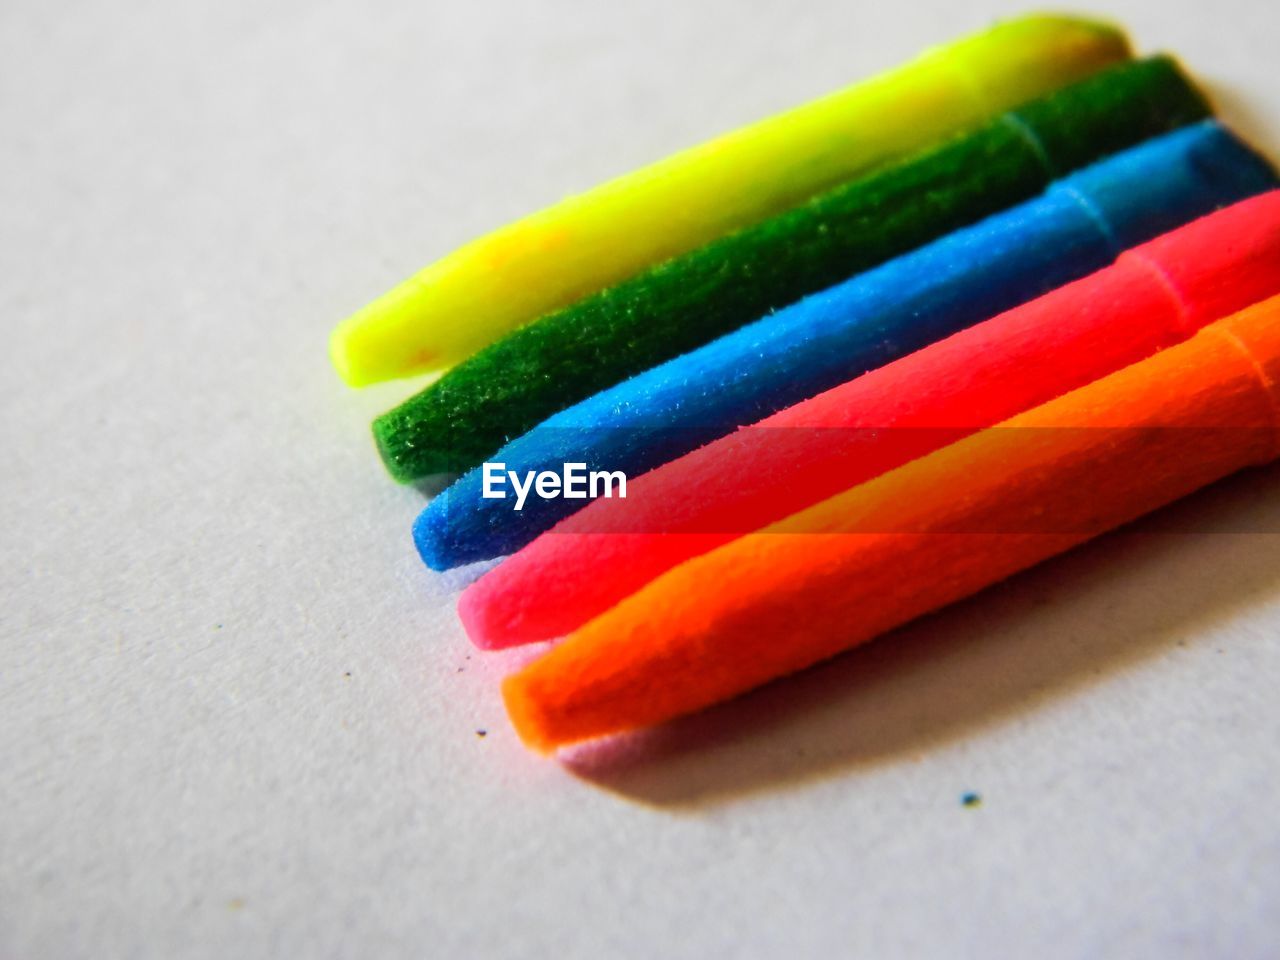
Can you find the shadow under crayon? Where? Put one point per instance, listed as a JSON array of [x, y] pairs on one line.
[[433, 485], [1069, 622]]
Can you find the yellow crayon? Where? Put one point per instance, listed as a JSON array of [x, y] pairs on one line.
[[593, 240]]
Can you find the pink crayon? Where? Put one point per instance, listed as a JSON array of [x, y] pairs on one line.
[[1153, 296]]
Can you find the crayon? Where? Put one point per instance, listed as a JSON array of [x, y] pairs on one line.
[[588, 242], [1076, 227], [567, 355], [936, 530], [1154, 295]]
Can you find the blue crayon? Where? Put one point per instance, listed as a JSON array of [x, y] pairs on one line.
[[1077, 226]]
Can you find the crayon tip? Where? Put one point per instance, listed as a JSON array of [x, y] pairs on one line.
[[340, 357], [350, 357], [431, 536], [384, 441], [529, 720], [445, 543], [417, 439], [370, 345], [475, 614]]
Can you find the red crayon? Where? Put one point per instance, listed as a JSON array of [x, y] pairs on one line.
[[1155, 295]]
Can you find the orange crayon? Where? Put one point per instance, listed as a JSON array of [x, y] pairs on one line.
[[915, 539]]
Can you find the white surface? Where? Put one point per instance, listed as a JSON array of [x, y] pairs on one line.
[[239, 718]]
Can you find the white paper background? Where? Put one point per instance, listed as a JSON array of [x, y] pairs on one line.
[[239, 717]]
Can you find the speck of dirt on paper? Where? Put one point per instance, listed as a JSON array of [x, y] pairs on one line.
[[971, 799], [482, 733]]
